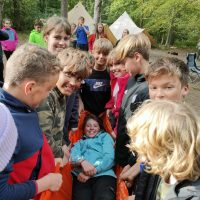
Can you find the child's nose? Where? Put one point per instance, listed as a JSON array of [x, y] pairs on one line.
[[72, 81], [159, 94]]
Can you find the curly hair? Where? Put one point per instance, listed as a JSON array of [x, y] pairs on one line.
[[166, 135]]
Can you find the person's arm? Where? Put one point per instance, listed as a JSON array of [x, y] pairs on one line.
[[86, 29], [91, 42], [76, 156], [25, 190], [3, 35], [107, 161], [31, 38], [46, 118], [73, 122], [28, 189]]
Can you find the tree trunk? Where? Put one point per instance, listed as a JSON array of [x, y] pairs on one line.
[[1, 11], [97, 11], [170, 30], [64, 5]]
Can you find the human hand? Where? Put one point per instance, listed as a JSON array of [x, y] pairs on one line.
[[83, 177], [88, 168], [132, 197], [55, 181], [108, 112], [51, 181], [129, 173], [58, 161], [66, 150]]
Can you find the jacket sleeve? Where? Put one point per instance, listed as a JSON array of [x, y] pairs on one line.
[[3, 35], [91, 42], [23, 191], [73, 122], [31, 38], [46, 118], [107, 161], [76, 154]]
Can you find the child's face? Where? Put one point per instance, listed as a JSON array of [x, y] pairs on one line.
[[57, 41], [100, 28], [167, 87], [91, 128], [81, 21], [40, 91], [68, 82], [118, 70], [100, 58], [7, 24], [38, 28], [135, 65]]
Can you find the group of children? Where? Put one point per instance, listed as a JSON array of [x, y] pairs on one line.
[[156, 144]]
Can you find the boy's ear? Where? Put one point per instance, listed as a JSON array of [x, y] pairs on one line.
[[29, 86], [185, 90], [46, 38]]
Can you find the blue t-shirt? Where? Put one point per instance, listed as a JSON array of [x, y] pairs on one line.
[[81, 35]]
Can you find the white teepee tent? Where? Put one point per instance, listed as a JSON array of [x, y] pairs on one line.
[[78, 11], [124, 22]]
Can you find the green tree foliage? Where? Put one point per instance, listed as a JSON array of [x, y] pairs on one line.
[[168, 21]]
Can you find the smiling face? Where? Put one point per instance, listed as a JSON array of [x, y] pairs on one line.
[[118, 70], [167, 87], [100, 59], [68, 82], [91, 128], [7, 24], [57, 41]]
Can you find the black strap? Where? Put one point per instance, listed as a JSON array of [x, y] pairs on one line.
[[36, 169]]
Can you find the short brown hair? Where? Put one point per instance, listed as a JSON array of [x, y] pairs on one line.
[[168, 65], [58, 24], [30, 61], [76, 62], [102, 45], [131, 44], [38, 22]]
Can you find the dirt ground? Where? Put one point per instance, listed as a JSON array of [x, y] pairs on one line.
[[193, 98]]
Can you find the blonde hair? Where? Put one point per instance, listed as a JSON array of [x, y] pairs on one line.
[[102, 45], [166, 135], [168, 65], [30, 61], [131, 44], [112, 58], [58, 24], [76, 62]]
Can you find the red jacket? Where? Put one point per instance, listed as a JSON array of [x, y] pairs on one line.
[[115, 106]]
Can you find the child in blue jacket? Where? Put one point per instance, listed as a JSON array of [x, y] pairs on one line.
[[93, 160]]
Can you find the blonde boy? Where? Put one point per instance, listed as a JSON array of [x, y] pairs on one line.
[[31, 72], [53, 110], [133, 51], [167, 80], [165, 134], [95, 91]]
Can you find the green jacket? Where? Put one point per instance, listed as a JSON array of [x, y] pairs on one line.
[[36, 37], [52, 118]]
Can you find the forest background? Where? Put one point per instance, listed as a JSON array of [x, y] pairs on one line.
[[170, 22]]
